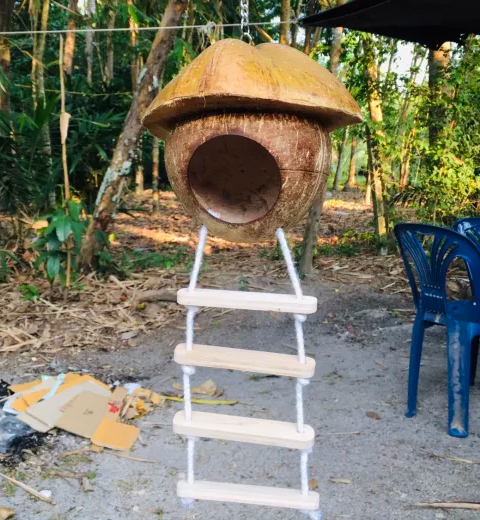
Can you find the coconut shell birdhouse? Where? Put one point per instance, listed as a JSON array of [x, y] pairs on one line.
[[246, 130]]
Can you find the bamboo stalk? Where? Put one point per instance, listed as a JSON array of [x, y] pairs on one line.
[[64, 119]]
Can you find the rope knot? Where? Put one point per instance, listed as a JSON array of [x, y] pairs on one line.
[[313, 515], [188, 503], [192, 439], [187, 370], [302, 318], [303, 382], [193, 309]]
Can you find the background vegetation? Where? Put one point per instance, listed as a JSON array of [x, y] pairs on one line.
[[419, 145]]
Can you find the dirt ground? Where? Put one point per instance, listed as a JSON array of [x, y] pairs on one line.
[[361, 356], [360, 339]]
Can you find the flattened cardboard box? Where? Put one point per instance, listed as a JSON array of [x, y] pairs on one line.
[[83, 414]]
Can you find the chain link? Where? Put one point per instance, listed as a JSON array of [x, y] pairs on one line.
[[244, 21]]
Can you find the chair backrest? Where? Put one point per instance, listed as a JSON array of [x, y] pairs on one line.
[[431, 266], [470, 228]]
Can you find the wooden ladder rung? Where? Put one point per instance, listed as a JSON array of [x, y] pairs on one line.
[[244, 429], [245, 494], [247, 300], [244, 360]]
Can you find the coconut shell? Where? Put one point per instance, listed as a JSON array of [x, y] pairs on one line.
[[245, 175], [232, 75]]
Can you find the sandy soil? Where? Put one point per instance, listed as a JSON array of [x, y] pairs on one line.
[[362, 360]]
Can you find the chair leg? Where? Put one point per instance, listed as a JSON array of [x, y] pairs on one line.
[[474, 360], [459, 348], [415, 358]]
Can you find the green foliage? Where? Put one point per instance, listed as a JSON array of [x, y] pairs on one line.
[[134, 261], [24, 183], [29, 292], [349, 243], [6, 255], [139, 260], [63, 231], [448, 179]]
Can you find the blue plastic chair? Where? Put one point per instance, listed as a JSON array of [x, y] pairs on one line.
[[470, 228], [427, 273]]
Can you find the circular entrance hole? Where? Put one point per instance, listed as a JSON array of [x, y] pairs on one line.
[[234, 178]]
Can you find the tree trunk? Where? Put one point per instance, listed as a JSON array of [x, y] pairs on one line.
[[351, 182], [341, 152], [377, 159], [116, 177], [89, 40], [438, 63], [155, 176], [69, 49], [38, 80], [368, 185], [190, 21], [134, 66], [6, 9], [139, 181], [110, 47], [406, 155], [284, 17], [309, 31], [336, 46], [310, 236], [316, 36], [294, 27]]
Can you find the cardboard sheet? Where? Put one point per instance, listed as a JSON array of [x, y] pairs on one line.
[[115, 435], [115, 403], [23, 387], [83, 414], [49, 412]]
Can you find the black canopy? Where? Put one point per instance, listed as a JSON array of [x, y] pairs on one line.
[[429, 22]]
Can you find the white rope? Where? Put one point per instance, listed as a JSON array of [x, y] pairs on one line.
[[313, 515], [292, 272], [190, 326], [299, 320], [304, 471], [156, 28], [187, 392], [299, 391], [202, 238], [188, 370], [188, 503], [191, 459], [301, 382]]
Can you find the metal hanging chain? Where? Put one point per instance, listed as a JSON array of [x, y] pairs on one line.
[[244, 21]]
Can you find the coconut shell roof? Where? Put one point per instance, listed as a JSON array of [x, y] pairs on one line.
[[236, 76]]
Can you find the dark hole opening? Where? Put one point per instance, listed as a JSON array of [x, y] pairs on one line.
[[234, 178]]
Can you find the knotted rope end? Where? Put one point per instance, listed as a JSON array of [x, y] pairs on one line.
[[313, 515]]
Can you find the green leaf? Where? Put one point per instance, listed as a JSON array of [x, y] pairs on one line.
[[102, 238], [53, 266], [15, 258], [102, 152], [41, 258], [3, 267], [78, 228], [133, 14], [51, 227], [39, 243], [75, 209], [53, 243], [63, 227]]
